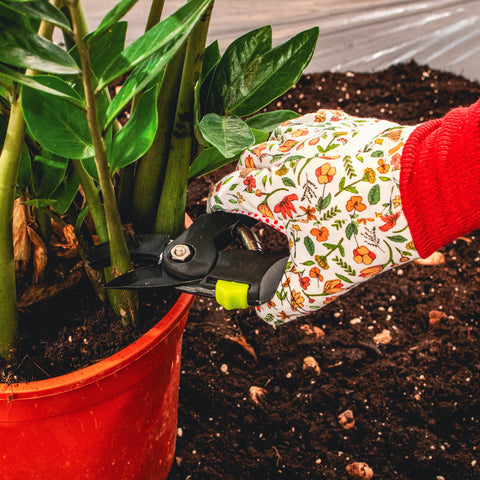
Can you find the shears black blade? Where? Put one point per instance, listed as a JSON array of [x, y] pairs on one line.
[[145, 250], [151, 276]]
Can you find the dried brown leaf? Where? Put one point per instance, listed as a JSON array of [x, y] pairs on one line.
[[41, 292], [40, 255], [21, 241], [66, 246], [69, 234]]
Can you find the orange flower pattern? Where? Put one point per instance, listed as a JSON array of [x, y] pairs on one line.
[[330, 183]]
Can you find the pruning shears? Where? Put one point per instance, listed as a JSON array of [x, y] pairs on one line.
[[204, 261]]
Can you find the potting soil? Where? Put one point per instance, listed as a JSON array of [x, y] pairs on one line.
[[400, 354]]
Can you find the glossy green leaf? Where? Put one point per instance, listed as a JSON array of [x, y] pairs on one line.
[[48, 173], [111, 18], [24, 176], [230, 135], [233, 66], [40, 10], [90, 167], [270, 75], [104, 47], [164, 39], [55, 123], [38, 83], [268, 121], [136, 137], [65, 193], [25, 49], [210, 159], [211, 57], [141, 76], [260, 135], [10, 18]]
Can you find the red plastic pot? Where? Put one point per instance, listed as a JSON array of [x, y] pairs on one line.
[[114, 420]]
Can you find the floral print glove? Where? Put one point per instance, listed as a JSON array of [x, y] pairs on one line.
[[330, 183]]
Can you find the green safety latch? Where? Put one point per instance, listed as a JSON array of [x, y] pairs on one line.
[[231, 295]]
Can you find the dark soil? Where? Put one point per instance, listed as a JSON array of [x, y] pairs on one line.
[[415, 400]]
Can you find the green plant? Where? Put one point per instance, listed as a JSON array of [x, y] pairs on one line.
[[191, 111]]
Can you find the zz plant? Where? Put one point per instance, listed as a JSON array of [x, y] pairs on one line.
[[192, 110]]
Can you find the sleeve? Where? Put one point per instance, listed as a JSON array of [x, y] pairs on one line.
[[440, 179]]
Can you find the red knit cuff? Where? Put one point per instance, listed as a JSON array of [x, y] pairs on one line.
[[440, 179]]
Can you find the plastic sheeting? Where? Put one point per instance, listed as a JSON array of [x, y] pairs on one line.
[[355, 35], [441, 33]]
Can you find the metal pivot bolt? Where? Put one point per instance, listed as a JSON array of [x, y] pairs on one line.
[[181, 253]]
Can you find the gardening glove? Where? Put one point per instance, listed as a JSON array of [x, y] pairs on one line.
[[355, 197]]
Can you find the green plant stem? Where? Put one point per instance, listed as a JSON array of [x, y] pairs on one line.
[[155, 13], [46, 28], [171, 209], [124, 303], [93, 200], [127, 186], [151, 167], [44, 224], [9, 164]]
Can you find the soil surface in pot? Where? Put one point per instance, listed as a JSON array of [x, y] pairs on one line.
[[248, 408]]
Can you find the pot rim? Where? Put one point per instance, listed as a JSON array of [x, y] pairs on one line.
[[103, 368]]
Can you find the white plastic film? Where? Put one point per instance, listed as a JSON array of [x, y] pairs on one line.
[[355, 35]]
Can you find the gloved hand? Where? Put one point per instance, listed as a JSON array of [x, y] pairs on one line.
[[355, 197]]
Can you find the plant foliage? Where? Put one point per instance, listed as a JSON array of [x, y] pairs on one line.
[[60, 128]]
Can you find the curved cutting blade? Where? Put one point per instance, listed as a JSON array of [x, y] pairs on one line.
[[152, 276]]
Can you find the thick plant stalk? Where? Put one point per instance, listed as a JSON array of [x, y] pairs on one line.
[[146, 179], [171, 210], [151, 167], [125, 303], [155, 13], [9, 164]]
